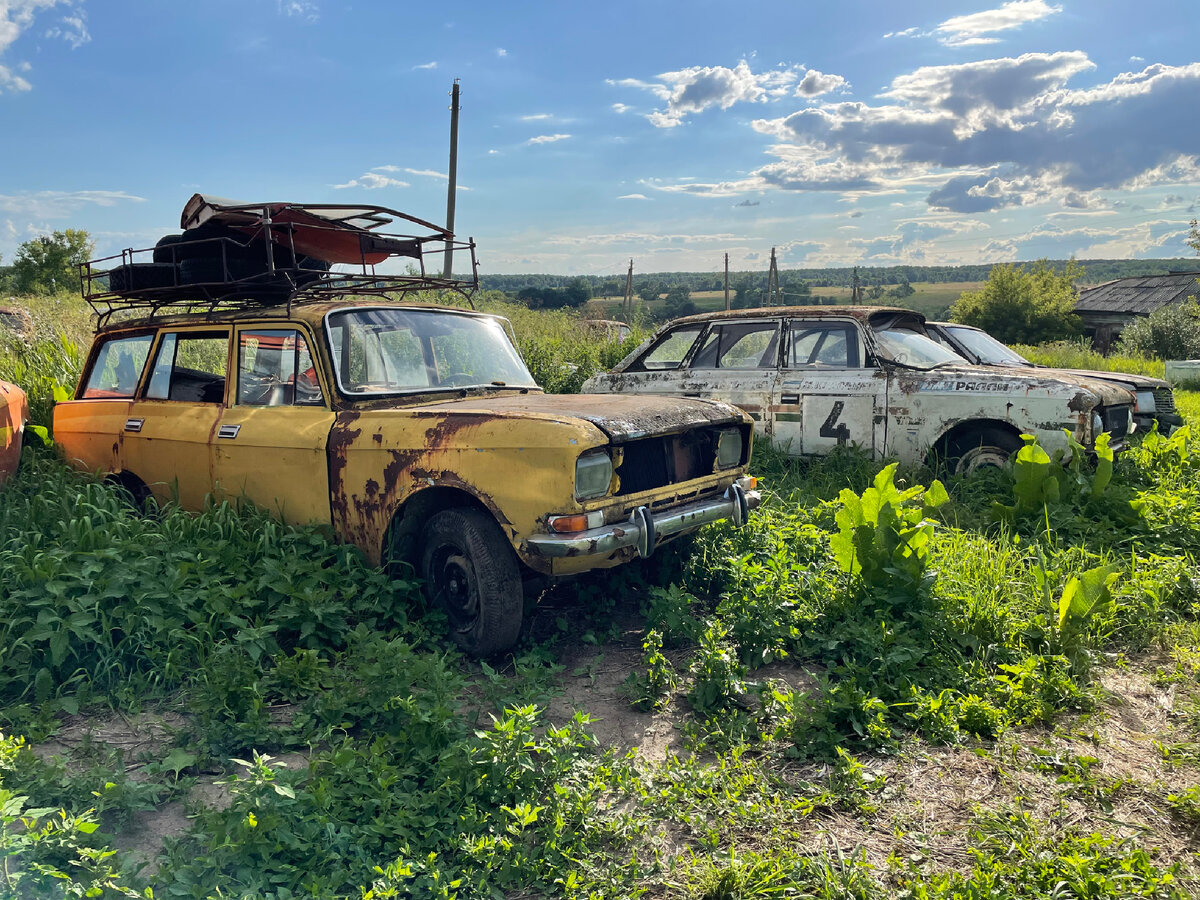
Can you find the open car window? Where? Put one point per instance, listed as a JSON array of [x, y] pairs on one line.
[[191, 367], [823, 344], [671, 349], [739, 345]]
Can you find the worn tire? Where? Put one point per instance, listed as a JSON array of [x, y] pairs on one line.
[[133, 277], [471, 572], [980, 448]]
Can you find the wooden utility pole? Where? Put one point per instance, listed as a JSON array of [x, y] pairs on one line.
[[627, 303], [773, 281], [726, 282], [452, 190]]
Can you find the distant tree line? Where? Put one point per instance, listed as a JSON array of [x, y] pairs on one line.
[[575, 292], [1093, 271]]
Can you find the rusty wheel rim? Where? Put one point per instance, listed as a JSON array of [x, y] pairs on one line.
[[457, 589]]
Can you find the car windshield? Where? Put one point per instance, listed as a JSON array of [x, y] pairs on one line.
[[913, 349], [987, 349], [391, 351]]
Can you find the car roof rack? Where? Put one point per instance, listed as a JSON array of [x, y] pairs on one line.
[[232, 255]]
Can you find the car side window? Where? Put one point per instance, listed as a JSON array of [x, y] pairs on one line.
[[739, 345], [823, 344], [190, 366], [118, 366], [671, 349], [275, 368]]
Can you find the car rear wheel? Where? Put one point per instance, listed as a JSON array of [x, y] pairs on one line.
[[981, 449], [471, 572]]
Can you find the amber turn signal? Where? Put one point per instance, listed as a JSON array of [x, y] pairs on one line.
[[575, 523]]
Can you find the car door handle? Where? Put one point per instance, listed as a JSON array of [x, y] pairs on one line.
[[134, 424], [793, 399], [228, 431]]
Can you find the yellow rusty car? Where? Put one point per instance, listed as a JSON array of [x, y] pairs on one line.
[[415, 432], [14, 413]]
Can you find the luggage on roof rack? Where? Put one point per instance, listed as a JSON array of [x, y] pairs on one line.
[[233, 254]]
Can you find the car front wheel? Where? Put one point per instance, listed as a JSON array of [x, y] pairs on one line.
[[987, 447], [471, 572]]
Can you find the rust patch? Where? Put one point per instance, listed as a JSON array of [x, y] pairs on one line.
[[341, 438]]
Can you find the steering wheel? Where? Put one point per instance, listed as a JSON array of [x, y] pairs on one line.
[[257, 390]]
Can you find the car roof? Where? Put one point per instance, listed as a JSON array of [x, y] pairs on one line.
[[863, 313], [312, 312]]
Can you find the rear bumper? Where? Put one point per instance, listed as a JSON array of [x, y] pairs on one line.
[[645, 529]]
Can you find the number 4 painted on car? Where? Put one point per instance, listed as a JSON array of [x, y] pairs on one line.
[[831, 429]]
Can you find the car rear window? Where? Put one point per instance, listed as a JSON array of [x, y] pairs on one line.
[[117, 368]]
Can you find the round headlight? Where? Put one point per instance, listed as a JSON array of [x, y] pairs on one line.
[[593, 474], [729, 448]]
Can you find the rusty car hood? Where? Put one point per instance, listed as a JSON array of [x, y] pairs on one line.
[[1134, 382], [622, 417]]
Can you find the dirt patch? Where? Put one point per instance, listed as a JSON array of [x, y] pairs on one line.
[[143, 736]]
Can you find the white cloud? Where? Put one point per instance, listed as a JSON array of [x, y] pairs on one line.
[[16, 16], [1137, 59], [635, 237], [621, 108], [61, 204], [547, 138], [300, 9], [372, 181], [633, 197], [907, 32], [72, 29], [536, 117], [428, 65], [501, 52], [493, 153], [698, 88], [815, 83], [428, 173], [975, 28]]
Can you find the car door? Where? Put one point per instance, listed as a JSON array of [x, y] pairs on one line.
[[271, 439], [830, 392], [166, 437], [90, 429], [737, 361]]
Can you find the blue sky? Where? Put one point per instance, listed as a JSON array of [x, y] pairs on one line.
[[869, 133]]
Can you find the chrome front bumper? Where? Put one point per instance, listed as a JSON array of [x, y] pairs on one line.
[[644, 528]]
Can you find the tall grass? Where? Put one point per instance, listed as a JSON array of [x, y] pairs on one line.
[[1078, 354]]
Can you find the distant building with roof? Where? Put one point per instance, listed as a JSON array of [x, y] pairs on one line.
[[1109, 307]]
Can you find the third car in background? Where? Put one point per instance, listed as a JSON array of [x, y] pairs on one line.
[[1154, 399]]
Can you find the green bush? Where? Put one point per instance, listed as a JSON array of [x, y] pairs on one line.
[[1170, 332], [1023, 306]]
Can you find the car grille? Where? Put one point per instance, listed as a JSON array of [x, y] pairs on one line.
[[656, 462], [1116, 420], [1164, 400]]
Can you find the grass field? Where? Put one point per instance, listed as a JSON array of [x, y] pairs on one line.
[[876, 689]]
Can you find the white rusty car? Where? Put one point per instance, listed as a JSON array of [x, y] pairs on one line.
[[1154, 401], [815, 378]]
